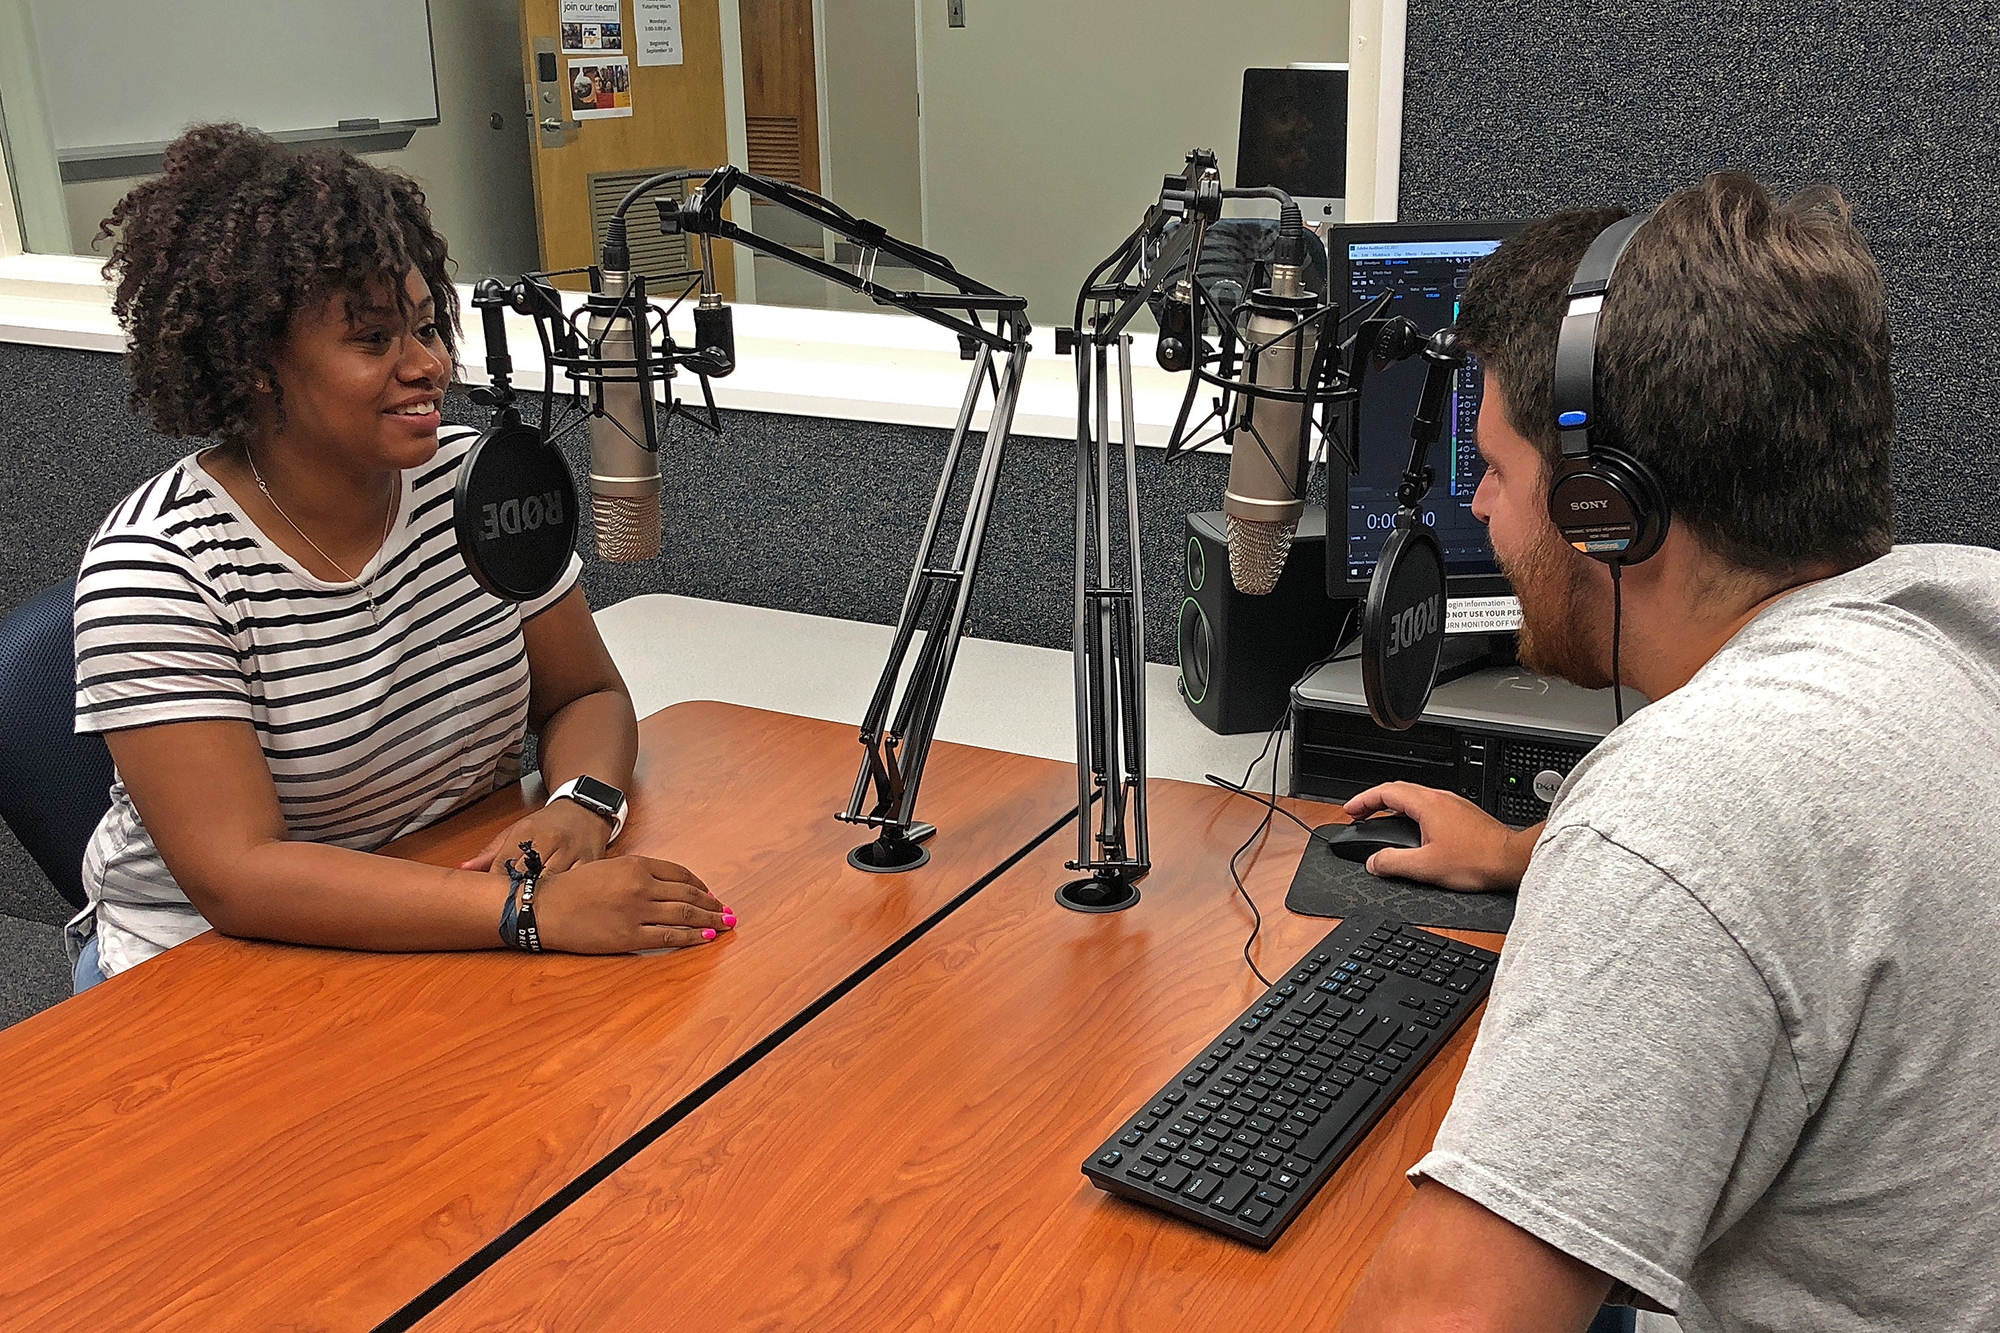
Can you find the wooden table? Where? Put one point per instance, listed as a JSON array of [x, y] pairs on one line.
[[912, 1159], [253, 1136]]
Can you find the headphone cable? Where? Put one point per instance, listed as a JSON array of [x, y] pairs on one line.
[[1617, 629]]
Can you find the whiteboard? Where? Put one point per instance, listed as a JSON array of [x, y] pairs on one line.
[[132, 74]]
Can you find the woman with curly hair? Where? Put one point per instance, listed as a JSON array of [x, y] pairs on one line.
[[277, 636]]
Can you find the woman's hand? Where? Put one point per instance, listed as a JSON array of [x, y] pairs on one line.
[[1464, 847], [625, 904], [564, 833]]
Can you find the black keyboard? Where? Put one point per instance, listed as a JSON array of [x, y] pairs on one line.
[[1243, 1137]]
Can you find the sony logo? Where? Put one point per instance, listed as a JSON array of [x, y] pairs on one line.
[[1589, 504]]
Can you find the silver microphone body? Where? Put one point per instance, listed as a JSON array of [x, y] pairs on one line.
[[1267, 462], [624, 474]]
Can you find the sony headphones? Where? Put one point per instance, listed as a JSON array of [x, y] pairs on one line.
[[1606, 503]]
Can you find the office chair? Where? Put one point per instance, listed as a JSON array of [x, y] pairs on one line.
[[54, 784]]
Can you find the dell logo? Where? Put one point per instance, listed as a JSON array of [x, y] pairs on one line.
[[1589, 504], [517, 516]]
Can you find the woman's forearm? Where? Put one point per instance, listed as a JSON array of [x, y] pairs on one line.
[[596, 734], [311, 893]]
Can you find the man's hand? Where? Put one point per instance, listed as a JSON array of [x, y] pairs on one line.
[[564, 833], [1464, 847]]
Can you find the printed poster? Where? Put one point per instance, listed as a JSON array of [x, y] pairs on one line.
[[658, 29], [590, 27], [600, 87]]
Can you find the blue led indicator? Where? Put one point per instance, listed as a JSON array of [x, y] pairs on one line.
[[1569, 420]]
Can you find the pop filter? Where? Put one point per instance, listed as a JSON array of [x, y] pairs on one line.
[[1402, 627], [515, 511]]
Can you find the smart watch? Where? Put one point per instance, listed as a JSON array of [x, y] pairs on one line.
[[600, 798]]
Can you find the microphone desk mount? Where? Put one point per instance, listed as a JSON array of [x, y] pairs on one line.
[[896, 733], [1198, 334]]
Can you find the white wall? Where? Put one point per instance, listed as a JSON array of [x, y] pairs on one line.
[[1048, 123], [871, 112], [476, 179]]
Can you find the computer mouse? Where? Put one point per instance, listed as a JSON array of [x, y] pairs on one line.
[[1365, 837]]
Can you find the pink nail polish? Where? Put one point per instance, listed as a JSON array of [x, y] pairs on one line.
[[729, 918], [708, 934]]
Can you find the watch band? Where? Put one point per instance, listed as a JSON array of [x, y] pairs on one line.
[[574, 790]]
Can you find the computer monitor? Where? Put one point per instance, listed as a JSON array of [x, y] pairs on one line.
[[1293, 134], [1425, 264]]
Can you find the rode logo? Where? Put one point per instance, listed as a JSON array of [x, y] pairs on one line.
[[523, 515], [1588, 504], [1414, 625]]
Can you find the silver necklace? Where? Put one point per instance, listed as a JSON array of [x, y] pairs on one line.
[[367, 591]]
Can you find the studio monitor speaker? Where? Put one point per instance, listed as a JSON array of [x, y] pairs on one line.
[[1241, 655]]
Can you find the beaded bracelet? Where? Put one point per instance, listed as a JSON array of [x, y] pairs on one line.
[[521, 915]]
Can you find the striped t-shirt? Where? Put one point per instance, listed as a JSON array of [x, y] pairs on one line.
[[186, 611]]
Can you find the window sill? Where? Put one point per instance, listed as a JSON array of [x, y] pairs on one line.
[[856, 366]]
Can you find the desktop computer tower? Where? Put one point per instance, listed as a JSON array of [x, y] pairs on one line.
[[1502, 737], [1240, 655]]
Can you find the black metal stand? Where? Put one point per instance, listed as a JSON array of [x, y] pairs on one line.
[[897, 732]]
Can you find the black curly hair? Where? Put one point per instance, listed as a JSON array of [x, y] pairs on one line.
[[240, 233]]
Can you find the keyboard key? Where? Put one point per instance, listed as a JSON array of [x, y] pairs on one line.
[[1194, 1080], [1250, 1024], [1209, 1102], [1232, 1041], [1182, 1129], [1285, 1099], [1285, 1180], [1256, 1214], [1190, 1159], [1412, 1036], [1379, 1034], [1357, 1022], [1314, 1145], [1297, 1166], [1160, 1110], [1197, 1115], [1171, 1177], [1232, 1194], [1296, 1129], [1155, 1156], [1112, 1158], [1411, 1002], [1254, 1170], [1146, 1125], [1375, 1075], [1229, 1118], [1133, 1140], [1218, 1167], [1173, 1095], [1248, 1139], [1397, 1052], [1141, 1172], [1305, 1115], [1270, 1196], [1282, 1142], [1262, 1126], [1235, 1152], [1353, 993], [1199, 1186], [1204, 1144], [1170, 1142], [1270, 1157], [1428, 1020], [1310, 1005]]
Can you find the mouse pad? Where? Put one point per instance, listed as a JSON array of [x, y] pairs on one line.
[[1325, 885]]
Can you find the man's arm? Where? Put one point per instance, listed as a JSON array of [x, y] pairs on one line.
[[1464, 847], [1451, 1266]]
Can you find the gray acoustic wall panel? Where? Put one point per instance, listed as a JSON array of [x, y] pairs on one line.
[[1521, 107]]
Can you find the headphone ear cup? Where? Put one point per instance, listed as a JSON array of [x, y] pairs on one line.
[[1609, 507]]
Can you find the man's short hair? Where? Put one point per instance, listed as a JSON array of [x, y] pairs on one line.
[[1743, 355]]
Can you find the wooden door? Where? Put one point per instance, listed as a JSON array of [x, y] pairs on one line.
[[584, 164], [780, 92]]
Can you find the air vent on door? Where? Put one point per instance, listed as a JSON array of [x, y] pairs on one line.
[[774, 148], [658, 256]]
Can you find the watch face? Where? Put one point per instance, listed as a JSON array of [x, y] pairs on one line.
[[593, 792]]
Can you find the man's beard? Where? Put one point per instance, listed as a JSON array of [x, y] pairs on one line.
[[1560, 629]]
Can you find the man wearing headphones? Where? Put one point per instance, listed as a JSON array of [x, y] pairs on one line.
[[1738, 1063]]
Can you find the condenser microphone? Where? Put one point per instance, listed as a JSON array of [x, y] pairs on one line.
[[624, 473], [1267, 460]]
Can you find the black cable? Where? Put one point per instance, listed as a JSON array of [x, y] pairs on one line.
[[1617, 628], [1271, 804]]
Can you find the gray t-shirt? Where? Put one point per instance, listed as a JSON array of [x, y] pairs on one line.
[[1743, 1048]]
